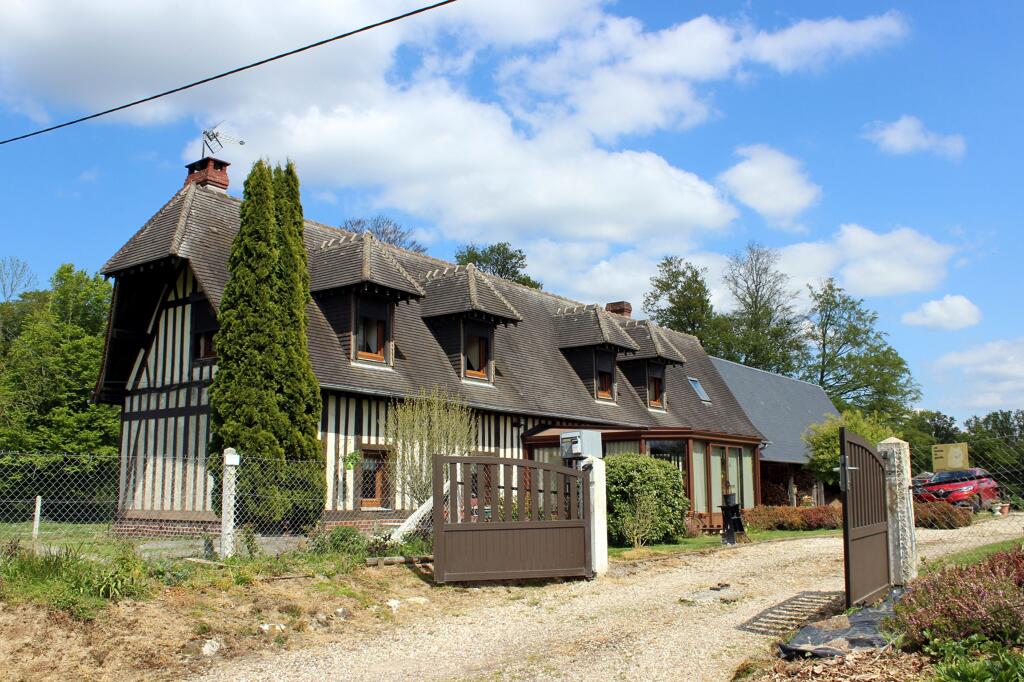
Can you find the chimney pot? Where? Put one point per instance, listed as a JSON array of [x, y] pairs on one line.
[[620, 308], [208, 172]]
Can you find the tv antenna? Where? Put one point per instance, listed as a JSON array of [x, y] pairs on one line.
[[212, 137]]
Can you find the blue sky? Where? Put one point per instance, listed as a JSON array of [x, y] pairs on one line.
[[877, 143]]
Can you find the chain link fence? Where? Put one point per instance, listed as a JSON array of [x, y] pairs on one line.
[[970, 506], [166, 507]]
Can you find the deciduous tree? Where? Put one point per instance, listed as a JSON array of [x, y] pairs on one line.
[[850, 358], [386, 230], [766, 331], [498, 259]]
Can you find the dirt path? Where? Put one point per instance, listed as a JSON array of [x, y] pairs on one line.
[[657, 620]]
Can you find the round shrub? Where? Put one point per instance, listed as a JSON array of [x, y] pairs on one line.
[[340, 540], [646, 500]]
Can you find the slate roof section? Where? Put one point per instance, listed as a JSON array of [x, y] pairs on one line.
[[160, 237], [652, 343], [590, 325], [532, 377], [782, 408], [463, 289], [350, 260]]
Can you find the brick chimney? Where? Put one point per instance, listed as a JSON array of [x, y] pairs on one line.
[[620, 308], [208, 172]]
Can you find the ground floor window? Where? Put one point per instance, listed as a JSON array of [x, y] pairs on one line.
[[373, 482]]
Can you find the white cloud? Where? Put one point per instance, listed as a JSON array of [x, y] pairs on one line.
[[949, 312], [897, 262], [810, 44], [989, 376], [771, 183], [908, 135], [615, 60], [395, 112]]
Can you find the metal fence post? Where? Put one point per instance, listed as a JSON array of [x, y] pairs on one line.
[[37, 517], [227, 503], [900, 499]]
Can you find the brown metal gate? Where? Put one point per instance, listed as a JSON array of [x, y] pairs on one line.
[[499, 519], [865, 520]]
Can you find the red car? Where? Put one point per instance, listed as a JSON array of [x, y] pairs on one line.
[[974, 488]]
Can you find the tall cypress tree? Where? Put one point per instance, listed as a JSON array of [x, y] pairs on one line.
[[245, 409], [297, 386]]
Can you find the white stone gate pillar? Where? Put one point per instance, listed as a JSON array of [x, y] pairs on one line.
[[598, 516], [900, 499]]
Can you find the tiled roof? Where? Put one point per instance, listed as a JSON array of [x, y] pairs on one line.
[[464, 289], [652, 343], [782, 408], [590, 325], [348, 260], [532, 375]]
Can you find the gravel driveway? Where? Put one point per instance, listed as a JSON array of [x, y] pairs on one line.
[[657, 620]]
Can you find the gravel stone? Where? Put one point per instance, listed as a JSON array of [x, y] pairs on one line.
[[629, 624]]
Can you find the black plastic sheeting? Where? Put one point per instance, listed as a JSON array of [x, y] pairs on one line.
[[864, 632]]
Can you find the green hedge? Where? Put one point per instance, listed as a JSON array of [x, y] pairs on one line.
[[651, 487]]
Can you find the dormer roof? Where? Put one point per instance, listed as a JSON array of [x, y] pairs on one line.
[[590, 325], [360, 260], [464, 290], [652, 343]]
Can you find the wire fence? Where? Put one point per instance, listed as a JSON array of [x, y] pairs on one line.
[[173, 507], [977, 503]]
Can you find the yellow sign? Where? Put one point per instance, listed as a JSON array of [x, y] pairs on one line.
[[949, 456]]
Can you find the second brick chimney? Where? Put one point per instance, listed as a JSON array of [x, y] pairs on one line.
[[620, 308], [208, 172]]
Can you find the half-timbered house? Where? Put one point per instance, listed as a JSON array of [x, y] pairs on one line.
[[383, 324]]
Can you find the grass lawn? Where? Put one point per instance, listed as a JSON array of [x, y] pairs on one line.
[[91, 538], [706, 542], [969, 556]]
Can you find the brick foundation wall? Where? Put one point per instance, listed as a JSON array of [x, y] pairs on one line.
[[126, 527]]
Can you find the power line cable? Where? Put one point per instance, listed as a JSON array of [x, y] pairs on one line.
[[231, 72]]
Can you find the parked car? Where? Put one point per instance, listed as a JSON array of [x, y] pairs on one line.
[[973, 488]]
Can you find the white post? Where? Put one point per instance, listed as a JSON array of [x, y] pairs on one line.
[[900, 500], [598, 516], [227, 503], [36, 518]]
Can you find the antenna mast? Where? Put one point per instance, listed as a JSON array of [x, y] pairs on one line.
[[212, 137]]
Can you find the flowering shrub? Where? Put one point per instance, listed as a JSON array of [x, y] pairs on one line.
[[765, 517], [941, 515], [985, 599]]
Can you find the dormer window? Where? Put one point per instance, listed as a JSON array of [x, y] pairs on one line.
[[605, 365], [656, 385], [373, 329], [477, 350]]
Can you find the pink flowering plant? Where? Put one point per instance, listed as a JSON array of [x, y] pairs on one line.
[[984, 599]]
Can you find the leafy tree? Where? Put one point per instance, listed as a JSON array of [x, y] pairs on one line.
[[823, 440], [850, 358], [386, 230], [252, 343], [923, 429], [766, 331], [498, 259], [15, 276], [996, 440], [679, 299], [50, 369], [416, 428]]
